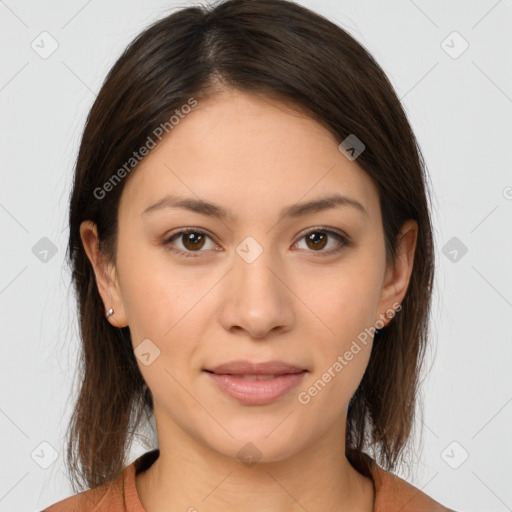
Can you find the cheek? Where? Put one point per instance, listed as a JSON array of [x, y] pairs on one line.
[[164, 311], [340, 360], [164, 306], [343, 299], [155, 295], [346, 302]]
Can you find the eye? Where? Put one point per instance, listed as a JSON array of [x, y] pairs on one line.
[[191, 239], [194, 240], [317, 239]]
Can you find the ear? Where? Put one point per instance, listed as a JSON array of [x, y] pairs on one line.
[[397, 276], [106, 278]]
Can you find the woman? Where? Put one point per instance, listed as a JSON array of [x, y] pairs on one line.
[[252, 253]]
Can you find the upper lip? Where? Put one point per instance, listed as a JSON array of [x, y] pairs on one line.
[[241, 367]]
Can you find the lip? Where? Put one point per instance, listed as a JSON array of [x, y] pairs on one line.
[[229, 378], [241, 367]]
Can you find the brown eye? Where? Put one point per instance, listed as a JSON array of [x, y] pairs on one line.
[[188, 241], [316, 241], [193, 241]]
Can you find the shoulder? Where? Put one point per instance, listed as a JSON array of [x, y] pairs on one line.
[[107, 497], [119, 495], [392, 493]]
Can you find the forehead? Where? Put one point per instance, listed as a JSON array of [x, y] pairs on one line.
[[249, 153]]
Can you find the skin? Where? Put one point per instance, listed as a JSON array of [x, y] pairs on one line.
[[295, 303]]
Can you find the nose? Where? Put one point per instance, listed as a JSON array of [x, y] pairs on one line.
[[257, 298]]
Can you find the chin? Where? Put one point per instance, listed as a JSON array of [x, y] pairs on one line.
[[259, 445]]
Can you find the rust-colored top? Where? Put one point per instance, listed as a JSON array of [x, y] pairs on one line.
[[392, 494]]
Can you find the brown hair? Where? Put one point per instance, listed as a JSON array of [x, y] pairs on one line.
[[273, 47]]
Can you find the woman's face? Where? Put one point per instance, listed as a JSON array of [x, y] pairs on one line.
[[259, 279]]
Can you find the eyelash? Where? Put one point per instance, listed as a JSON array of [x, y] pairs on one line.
[[190, 254]]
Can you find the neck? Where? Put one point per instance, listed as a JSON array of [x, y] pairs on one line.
[[188, 476]]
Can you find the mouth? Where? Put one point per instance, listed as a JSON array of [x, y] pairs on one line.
[[256, 383], [249, 369]]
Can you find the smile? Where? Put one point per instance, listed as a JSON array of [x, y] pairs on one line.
[[254, 389]]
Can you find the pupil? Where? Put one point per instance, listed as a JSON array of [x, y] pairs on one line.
[[318, 243], [189, 239]]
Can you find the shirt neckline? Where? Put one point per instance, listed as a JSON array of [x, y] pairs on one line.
[[144, 462], [389, 489]]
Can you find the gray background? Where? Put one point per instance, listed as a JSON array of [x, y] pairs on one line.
[[460, 106]]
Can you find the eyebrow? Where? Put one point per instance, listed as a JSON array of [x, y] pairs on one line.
[[294, 211]]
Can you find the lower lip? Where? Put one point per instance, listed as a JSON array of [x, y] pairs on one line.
[[256, 392]]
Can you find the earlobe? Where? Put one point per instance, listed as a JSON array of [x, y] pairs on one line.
[[398, 276], [108, 286]]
